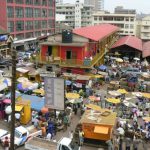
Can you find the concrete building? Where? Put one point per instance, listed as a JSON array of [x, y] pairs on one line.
[[77, 15], [121, 10], [78, 51], [143, 30], [27, 18], [97, 4], [126, 22]]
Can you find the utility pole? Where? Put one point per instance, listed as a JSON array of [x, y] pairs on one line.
[[13, 88]]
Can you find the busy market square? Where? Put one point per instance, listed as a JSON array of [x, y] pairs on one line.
[[82, 89]]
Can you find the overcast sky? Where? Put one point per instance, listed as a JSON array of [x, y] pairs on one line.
[[140, 5]]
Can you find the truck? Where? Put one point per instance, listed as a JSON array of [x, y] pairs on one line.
[[22, 134], [65, 143]]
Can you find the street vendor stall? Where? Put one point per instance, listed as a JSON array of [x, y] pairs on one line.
[[21, 72], [24, 108], [98, 124], [34, 76]]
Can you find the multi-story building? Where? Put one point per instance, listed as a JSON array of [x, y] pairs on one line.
[[121, 10], [78, 51], [77, 15], [143, 30], [126, 22], [27, 18], [97, 4]]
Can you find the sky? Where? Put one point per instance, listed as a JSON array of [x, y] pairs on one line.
[[142, 6]]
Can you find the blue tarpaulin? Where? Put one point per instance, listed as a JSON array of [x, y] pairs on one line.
[[19, 86], [37, 103], [102, 67]]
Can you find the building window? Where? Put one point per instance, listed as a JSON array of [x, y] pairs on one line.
[[44, 13], [19, 26], [29, 25], [19, 1], [9, 1], [44, 24], [51, 13], [10, 26], [126, 26], [127, 19], [145, 27], [37, 24], [20, 36], [19, 12], [29, 34], [132, 19], [29, 2], [131, 26], [37, 12], [29, 12], [95, 18], [10, 12], [50, 3], [37, 2], [44, 2], [119, 18], [37, 33]]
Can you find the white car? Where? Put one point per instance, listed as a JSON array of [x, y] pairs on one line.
[[21, 135]]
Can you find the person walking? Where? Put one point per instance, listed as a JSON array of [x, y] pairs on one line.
[[65, 122], [81, 137], [6, 143]]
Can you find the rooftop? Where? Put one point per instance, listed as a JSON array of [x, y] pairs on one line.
[[146, 49], [97, 32], [130, 41], [98, 118]]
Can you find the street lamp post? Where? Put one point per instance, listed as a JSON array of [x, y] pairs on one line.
[[13, 88]]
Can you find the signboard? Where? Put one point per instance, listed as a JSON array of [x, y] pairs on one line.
[[54, 93]]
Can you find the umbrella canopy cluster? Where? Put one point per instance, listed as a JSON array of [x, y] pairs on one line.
[[72, 95], [122, 91], [113, 100]]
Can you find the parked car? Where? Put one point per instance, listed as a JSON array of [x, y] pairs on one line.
[[133, 71]]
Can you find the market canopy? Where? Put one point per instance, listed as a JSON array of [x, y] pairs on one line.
[[147, 119], [122, 91], [113, 100], [75, 101], [119, 60], [18, 108], [101, 130], [94, 107], [114, 93], [72, 95], [146, 95]]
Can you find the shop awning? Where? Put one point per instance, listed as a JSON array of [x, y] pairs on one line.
[[18, 108], [101, 130]]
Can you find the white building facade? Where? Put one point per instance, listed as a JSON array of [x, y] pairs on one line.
[[145, 28], [126, 22], [77, 15], [97, 4]]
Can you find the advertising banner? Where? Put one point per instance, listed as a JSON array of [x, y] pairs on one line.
[[54, 93]]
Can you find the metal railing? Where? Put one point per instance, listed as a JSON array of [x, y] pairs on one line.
[[87, 63]]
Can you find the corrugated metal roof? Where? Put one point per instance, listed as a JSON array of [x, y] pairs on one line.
[[131, 41], [146, 49], [97, 32]]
